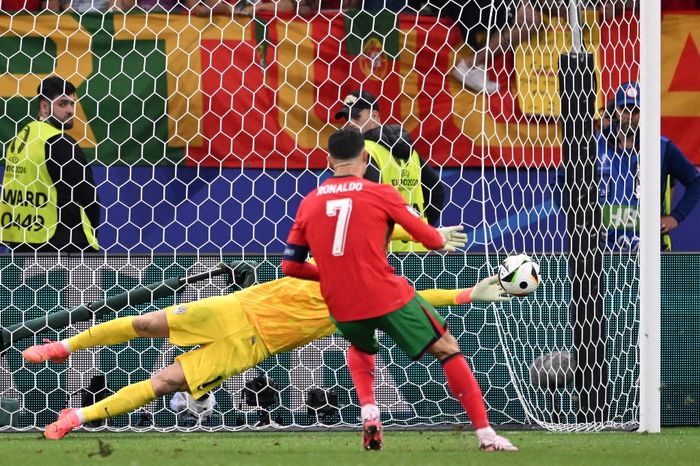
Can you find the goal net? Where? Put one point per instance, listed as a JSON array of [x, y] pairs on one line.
[[204, 129]]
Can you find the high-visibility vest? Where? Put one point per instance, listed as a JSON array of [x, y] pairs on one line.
[[29, 203], [405, 176], [666, 193]]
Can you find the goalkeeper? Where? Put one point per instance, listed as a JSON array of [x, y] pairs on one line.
[[236, 332]]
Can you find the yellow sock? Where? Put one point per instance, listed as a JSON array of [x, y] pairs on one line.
[[108, 333], [438, 297], [124, 401]]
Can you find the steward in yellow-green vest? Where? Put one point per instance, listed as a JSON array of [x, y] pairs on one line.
[[393, 161], [49, 200]]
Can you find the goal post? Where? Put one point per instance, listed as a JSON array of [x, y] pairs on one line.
[[649, 261]]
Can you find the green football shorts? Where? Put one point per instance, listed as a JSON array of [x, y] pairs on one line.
[[414, 327]]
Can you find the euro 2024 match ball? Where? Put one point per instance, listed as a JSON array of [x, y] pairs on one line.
[[519, 275]]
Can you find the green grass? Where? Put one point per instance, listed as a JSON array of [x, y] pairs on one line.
[[673, 446]]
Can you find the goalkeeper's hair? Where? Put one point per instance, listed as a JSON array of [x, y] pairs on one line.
[[346, 143]]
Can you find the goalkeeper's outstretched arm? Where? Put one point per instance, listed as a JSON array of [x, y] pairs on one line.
[[487, 290]]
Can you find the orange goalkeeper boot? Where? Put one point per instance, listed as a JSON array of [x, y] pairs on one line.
[[67, 421], [53, 351]]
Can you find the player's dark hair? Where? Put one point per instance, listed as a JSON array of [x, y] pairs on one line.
[[53, 87], [346, 143]]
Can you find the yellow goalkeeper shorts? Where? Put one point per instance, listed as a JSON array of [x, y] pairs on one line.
[[230, 344]]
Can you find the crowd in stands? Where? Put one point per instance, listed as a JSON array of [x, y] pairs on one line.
[[302, 7]]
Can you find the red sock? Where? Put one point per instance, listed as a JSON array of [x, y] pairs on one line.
[[361, 366], [466, 389]]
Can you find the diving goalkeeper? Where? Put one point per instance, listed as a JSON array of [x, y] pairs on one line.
[[236, 332]]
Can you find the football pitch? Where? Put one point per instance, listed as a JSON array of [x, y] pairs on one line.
[[675, 446]]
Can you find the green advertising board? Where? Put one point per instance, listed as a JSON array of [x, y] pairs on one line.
[[499, 341]]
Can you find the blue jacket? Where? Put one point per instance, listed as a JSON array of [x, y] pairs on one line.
[[618, 189]]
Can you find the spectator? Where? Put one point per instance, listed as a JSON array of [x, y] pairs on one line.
[[515, 21], [618, 155], [49, 200], [511, 22], [394, 161]]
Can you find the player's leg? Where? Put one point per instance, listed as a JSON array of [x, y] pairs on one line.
[[465, 388], [235, 349], [417, 328], [151, 325], [361, 367], [169, 380], [229, 344], [363, 347]]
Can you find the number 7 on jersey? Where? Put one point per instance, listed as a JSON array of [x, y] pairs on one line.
[[340, 208]]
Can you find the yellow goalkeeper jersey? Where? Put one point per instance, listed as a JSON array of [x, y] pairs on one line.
[[287, 313]]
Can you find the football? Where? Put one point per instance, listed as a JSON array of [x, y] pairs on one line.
[[519, 275], [552, 370]]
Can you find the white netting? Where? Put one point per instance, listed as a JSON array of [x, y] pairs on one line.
[[205, 131]]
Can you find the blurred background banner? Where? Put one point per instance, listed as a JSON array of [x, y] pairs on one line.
[[163, 89], [680, 87], [186, 103]]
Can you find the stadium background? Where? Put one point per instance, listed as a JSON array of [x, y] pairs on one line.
[[218, 195], [157, 196]]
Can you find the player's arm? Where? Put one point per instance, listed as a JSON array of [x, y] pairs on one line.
[[291, 267], [487, 290], [294, 263]]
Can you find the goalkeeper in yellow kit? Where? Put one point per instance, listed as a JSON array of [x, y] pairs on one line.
[[236, 332]]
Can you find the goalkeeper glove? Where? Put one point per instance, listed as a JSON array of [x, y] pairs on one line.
[[487, 290], [454, 238]]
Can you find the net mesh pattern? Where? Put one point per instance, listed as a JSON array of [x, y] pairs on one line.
[[204, 132]]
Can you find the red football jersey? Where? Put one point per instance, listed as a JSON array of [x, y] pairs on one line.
[[346, 223]]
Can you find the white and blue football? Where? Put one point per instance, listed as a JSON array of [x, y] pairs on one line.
[[519, 275]]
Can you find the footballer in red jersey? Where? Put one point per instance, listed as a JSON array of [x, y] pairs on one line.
[[346, 224]]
